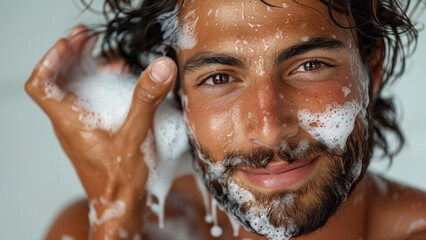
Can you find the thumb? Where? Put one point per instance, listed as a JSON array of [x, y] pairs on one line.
[[152, 87]]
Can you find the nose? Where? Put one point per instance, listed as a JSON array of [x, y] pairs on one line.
[[271, 118]]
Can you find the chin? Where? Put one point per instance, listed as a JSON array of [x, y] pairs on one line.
[[296, 208]]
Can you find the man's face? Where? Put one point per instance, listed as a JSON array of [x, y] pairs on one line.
[[274, 99]]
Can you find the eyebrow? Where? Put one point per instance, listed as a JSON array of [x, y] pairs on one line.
[[311, 44], [202, 59]]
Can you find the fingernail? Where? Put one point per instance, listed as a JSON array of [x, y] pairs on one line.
[[161, 70]]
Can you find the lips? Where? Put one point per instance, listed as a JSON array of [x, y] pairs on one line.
[[278, 175]]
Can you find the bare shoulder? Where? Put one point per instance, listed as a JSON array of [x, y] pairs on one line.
[[395, 211], [184, 210], [71, 223]]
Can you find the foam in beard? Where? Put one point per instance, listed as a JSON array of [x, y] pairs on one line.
[[256, 214], [300, 151], [333, 126]]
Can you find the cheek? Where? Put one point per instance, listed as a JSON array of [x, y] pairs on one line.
[[212, 128]]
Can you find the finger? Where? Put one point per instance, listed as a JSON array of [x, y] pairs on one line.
[[83, 44], [41, 85], [77, 37], [83, 41], [152, 87]]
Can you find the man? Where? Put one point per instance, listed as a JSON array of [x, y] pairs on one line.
[[283, 105]]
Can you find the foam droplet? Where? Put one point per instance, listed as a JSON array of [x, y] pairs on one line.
[[216, 231]]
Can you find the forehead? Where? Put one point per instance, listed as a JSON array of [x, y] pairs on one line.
[[223, 24]]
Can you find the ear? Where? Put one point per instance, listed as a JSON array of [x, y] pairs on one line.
[[375, 63]]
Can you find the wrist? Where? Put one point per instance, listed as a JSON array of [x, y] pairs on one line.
[[120, 217]]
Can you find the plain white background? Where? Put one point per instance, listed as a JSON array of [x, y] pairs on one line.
[[36, 178]]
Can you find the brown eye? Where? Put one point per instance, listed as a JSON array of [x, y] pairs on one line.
[[312, 65], [220, 78]]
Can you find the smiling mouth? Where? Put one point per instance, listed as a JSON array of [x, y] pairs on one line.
[[280, 175]]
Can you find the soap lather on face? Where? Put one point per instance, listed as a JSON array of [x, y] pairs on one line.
[[261, 82]]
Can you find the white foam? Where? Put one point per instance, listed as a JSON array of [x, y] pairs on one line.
[[137, 237], [235, 225], [242, 11], [215, 230], [346, 91], [279, 34], [167, 159], [333, 126], [187, 38], [122, 233], [103, 99], [52, 90], [305, 38], [203, 190], [115, 209], [416, 225], [184, 100], [260, 68], [67, 237], [256, 213], [301, 149]]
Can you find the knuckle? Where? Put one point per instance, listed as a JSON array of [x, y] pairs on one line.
[[37, 81], [29, 89], [149, 97]]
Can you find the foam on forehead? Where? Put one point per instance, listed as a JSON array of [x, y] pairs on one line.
[[179, 31]]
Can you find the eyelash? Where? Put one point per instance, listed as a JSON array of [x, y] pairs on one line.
[[315, 61], [231, 79]]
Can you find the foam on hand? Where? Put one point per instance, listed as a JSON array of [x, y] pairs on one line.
[[104, 99]]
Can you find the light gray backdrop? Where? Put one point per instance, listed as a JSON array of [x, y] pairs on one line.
[[36, 178]]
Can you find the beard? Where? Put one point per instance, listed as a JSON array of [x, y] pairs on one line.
[[291, 212]]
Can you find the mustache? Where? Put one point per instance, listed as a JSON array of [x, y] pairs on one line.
[[260, 157]]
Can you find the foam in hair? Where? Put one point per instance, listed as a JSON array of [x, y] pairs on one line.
[[180, 35]]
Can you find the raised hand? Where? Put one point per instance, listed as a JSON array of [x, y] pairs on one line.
[[109, 163]]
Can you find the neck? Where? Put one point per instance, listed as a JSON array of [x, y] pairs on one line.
[[349, 220]]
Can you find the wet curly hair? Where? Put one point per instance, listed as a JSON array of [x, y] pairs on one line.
[[385, 34]]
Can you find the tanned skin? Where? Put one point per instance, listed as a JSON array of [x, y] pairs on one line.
[[376, 209]]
